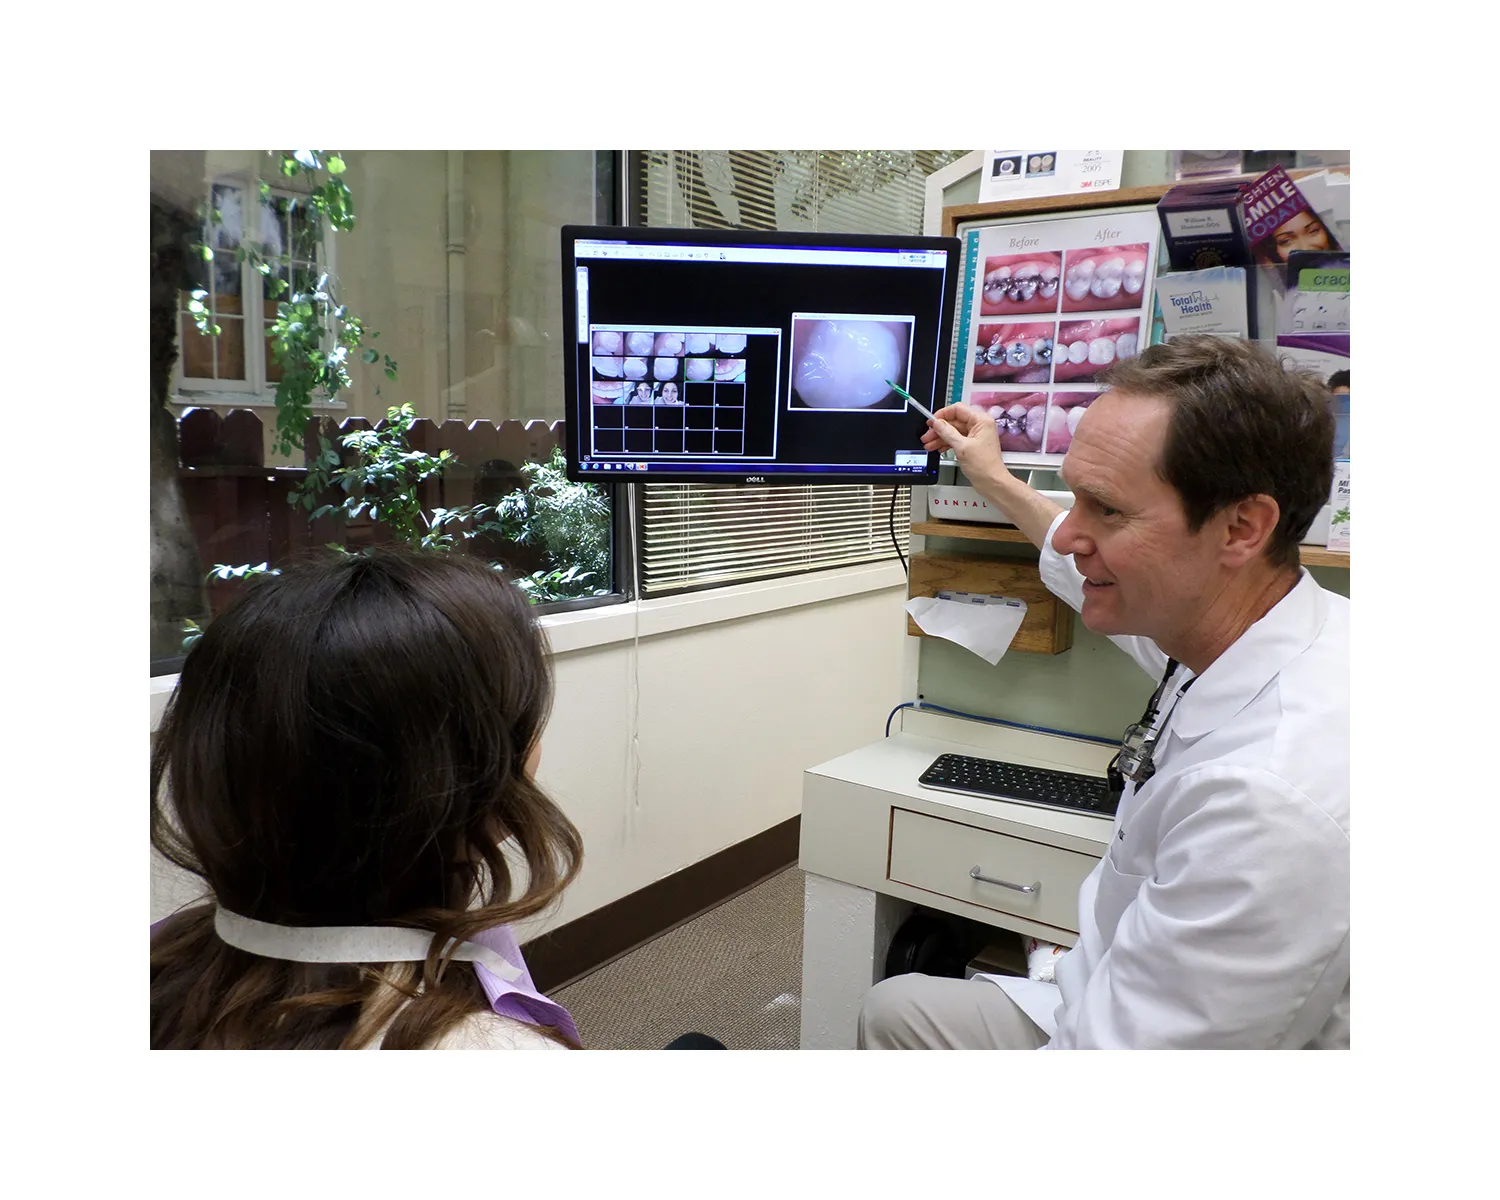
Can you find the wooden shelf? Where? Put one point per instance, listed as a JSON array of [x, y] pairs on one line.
[[1048, 625], [977, 532], [1312, 556]]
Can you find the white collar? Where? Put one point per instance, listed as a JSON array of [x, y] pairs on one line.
[[348, 943], [1256, 657]]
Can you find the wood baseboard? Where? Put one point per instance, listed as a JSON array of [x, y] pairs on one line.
[[569, 952]]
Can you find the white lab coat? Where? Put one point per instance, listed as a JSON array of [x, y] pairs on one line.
[[1219, 918]]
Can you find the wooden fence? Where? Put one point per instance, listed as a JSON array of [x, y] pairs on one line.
[[239, 506]]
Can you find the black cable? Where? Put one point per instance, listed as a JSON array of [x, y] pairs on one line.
[[894, 542], [923, 706]]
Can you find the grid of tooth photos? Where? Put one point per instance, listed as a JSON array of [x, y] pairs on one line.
[[1048, 322], [672, 391]]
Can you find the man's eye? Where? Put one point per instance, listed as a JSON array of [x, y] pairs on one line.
[[1107, 511]]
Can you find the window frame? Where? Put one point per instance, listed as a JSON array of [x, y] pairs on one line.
[[610, 199], [255, 390]]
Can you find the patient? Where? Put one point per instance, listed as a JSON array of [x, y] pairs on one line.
[[348, 748]]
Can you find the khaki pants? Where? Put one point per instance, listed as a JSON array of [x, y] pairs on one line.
[[924, 1012]]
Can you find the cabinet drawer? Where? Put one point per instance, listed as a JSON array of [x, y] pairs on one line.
[[938, 855]]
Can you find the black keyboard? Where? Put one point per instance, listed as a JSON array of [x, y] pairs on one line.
[[1030, 785]]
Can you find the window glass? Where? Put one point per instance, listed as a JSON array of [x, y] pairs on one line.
[[332, 291]]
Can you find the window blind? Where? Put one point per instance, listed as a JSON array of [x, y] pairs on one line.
[[694, 536], [697, 536]]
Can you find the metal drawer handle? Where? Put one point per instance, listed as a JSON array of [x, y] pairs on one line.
[[1031, 889]]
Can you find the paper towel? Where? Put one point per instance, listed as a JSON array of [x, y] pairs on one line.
[[987, 629]]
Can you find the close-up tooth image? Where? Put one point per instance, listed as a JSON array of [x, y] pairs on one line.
[[609, 368], [697, 343], [1020, 417], [700, 368], [1041, 164], [729, 370], [639, 343], [609, 342], [1076, 281], [1101, 280], [667, 344], [1063, 415], [1014, 353], [666, 368], [729, 343], [609, 391], [1092, 345], [635, 368], [1020, 284], [844, 362]]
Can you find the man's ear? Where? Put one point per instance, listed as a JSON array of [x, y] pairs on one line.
[[1248, 526]]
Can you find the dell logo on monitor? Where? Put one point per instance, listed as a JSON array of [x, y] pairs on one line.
[[755, 479]]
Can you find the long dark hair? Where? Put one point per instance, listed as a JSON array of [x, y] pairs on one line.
[[347, 746]]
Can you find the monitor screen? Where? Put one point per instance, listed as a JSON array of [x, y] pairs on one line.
[[742, 356]]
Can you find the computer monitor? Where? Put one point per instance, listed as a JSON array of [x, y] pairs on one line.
[[743, 356]]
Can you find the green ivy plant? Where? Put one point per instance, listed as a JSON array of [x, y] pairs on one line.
[[313, 334], [384, 482], [568, 521]]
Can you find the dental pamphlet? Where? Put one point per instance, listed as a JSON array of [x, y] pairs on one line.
[[1210, 301], [1312, 320], [1338, 523], [1022, 174], [1278, 218]]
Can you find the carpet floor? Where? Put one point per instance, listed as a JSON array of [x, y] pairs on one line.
[[734, 973]]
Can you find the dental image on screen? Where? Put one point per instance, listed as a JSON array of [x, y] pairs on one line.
[[848, 361], [691, 393]]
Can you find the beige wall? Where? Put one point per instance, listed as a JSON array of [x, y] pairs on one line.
[[665, 750]]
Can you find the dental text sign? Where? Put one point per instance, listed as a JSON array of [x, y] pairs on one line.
[[1026, 174]]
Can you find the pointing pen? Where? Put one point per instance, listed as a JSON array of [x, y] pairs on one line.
[[920, 407]]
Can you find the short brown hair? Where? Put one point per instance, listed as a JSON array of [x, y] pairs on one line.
[[1243, 423]]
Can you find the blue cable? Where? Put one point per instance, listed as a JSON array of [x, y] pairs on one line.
[[922, 706]]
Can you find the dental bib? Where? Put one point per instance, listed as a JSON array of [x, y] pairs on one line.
[[498, 962]]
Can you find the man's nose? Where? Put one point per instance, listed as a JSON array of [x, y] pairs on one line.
[[1069, 537]]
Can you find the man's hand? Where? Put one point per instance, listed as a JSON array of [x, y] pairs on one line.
[[975, 441], [972, 436]]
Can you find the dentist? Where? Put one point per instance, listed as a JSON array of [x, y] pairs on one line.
[[1219, 918]]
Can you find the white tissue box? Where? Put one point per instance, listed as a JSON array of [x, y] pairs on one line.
[[947, 502], [953, 502]]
